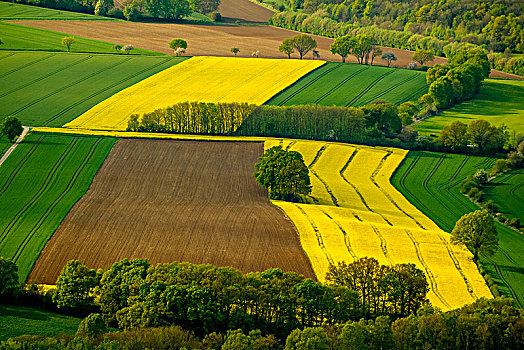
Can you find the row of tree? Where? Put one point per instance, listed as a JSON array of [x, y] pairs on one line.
[[309, 122], [206, 298], [478, 133]]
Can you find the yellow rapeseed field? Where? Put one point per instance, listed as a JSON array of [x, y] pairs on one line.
[[203, 79], [354, 211]]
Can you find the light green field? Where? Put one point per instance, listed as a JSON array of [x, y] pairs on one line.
[[18, 12], [507, 191], [348, 84], [498, 101], [46, 88], [431, 181], [19, 37], [19, 320], [39, 183]]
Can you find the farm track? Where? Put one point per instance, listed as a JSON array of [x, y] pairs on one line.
[[171, 202], [60, 197]]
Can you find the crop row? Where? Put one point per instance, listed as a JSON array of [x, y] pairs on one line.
[[50, 188]]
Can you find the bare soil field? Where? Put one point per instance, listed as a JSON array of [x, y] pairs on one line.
[[176, 201], [243, 10]]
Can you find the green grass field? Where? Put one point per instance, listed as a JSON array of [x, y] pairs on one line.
[[353, 85], [4, 144], [19, 320], [507, 191], [41, 180], [498, 101], [46, 88], [19, 37], [431, 181], [11, 11]]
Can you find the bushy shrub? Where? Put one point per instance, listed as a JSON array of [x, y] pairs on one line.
[[216, 16], [481, 176]]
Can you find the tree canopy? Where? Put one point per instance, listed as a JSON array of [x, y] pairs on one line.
[[303, 43], [11, 127], [283, 173], [477, 231]]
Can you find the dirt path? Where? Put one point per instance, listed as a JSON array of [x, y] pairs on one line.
[[17, 142]]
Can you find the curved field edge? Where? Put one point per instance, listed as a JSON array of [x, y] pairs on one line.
[[355, 212], [40, 182], [431, 181]]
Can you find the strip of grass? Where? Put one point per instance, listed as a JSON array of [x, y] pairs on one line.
[[507, 191], [19, 37], [347, 84], [498, 101], [12, 11], [39, 183], [51, 89], [431, 181], [19, 320]]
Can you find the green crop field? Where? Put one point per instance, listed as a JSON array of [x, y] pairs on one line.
[[4, 144], [348, 84], [51, 89], [11, 11], [431, 181], [507, 191], [18, 320], [39, 182], [498, 101], [19, 37]]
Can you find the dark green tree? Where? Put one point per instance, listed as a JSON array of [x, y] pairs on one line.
[[74, 286], [11, 127], [455, 135], [477, 231], [177, 44], [9, 284], [307, 339], [342, 46], [283, 173], [91, 326], [287, 47], [382, 116]]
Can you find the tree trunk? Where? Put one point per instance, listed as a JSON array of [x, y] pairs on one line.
[[343, 60], [476, 255]]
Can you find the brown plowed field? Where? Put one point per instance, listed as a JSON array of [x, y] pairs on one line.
[[176, 201], [243, 10]]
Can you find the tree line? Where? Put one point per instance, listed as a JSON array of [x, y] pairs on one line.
[[493, 24]]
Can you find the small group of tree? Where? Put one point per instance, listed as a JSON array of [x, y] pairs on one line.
[[479, 134], [193, 118], [507, 62], [11, 127], [360, 46], [302, 43], [284, 174], [458, 80]]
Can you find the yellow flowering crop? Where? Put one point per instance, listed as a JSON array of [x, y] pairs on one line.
[[356, 212], [202, 79]]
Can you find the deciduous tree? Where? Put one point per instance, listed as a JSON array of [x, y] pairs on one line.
[[287, 47], [11, 127], [91, 326], [235, 50], [176, 44], [389, 56], [422, 56], [342, 46], [478, 232], [9, 284], [303, 43], [68, 41], [73, 286], [455, 135]]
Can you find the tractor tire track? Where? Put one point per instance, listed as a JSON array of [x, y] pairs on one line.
[[383, 244], [430, 275], [346, 235], [366, 89], [318, 234], [341, 83], [388, 90], [17, 69], [50, 209]]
